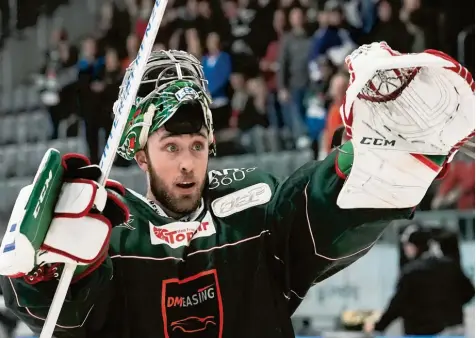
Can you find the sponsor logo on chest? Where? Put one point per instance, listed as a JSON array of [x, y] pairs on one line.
[[179, 234], [242, 199], [192, 307]]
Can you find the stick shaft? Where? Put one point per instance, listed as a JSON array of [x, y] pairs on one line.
[[122, 107]]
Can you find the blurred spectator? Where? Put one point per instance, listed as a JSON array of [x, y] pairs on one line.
[[132, 47], [337, 90], [194, 46], [239, 98], [61, 54], [104, 91], [334, 38], [217, 68], [58, 100], [90, 70], [457, 187], [113, 27], [237, 35], [111, 80], [90, 63], [423, 22], [391, 29], [252, 120], [269, 67], [431, 290], [293, 77]]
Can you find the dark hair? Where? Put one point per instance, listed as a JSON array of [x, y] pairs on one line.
[[417, 235]]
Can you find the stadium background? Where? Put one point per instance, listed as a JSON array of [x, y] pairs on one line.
[[61, 62]]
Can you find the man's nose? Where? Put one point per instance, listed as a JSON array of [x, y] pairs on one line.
[[186, 163]]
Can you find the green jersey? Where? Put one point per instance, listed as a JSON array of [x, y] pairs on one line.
[[238, 267]]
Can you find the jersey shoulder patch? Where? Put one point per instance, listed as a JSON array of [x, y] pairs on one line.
[[237, 189]]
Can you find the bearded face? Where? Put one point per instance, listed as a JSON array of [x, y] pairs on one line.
[[176, 166]]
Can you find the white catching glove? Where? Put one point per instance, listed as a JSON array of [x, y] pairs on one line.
[[400, 108]]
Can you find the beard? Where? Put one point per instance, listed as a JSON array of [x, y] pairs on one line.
[[178, 204]]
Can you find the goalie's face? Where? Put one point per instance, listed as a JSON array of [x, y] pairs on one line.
[[176, 166]]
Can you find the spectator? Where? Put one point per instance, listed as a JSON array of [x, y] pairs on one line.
[[60, 54], [210, 19], [205, 20], [58, 100], [113, 28], [194, 46], [457, 187], [391, 29], [105, 89], [334, 40], [90, 69], [132, 47], [263, 26], [252, 120], [423, 22], [237, 36], [337, 89], [112, 79], [217, 69], [239, 98], [293, 77], [431, 290], [89, 65], [269, 67]]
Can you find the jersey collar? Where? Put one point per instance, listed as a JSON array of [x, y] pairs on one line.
[[159, 211]]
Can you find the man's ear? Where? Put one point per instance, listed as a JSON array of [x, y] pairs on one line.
[[141, 159]]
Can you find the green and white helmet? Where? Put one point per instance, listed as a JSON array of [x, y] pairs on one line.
[[171, 79]]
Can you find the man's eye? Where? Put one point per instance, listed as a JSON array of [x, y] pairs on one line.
[[172, 148], [198, 146]]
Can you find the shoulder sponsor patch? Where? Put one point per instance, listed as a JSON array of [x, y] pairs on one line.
[[178, 234], [242, 199]]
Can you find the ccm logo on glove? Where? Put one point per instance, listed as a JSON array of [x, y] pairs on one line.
[[42, 195], [377, 142]]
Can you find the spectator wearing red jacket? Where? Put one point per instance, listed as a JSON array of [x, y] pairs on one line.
[[457, 188]]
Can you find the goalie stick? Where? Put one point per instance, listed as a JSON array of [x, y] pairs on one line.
[[122, 107]]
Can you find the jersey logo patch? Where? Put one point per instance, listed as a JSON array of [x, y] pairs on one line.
[[178, 234], [192, 307], [242, 199]]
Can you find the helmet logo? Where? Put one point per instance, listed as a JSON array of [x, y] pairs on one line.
[[186, 93]]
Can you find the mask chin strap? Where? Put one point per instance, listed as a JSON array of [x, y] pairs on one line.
[[144, 133]]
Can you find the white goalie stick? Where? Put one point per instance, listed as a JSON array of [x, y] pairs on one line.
[[122, 107]]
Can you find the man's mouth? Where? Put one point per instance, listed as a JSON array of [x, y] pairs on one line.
[[185, 185]]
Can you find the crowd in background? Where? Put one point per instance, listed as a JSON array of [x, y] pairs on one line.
[[275, 68]]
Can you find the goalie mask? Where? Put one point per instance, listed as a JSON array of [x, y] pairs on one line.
[[172, 80]]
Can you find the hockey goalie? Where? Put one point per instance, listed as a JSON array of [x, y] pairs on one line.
[[229, 253]]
